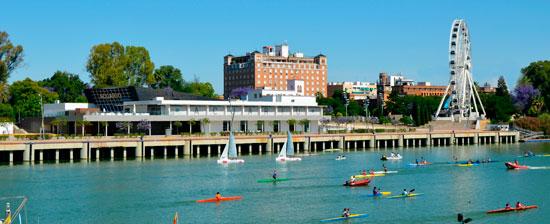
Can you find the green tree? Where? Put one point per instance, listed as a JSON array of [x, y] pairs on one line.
[[538, 74], [83, 124], [200, 88], [206, 123], [139, 67], [106, 65], [59, 123], [25, 97], [178, 125], [68, 86], [11, 57], [6, 111], [499, 109], [168, 76], [502, 88]]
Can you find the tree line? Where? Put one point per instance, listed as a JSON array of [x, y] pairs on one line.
[[109, 65]]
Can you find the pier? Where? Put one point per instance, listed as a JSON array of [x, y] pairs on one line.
[[95, 149]]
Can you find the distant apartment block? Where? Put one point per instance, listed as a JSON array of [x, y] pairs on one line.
[[404, 86], [356, 90], [273, 68]]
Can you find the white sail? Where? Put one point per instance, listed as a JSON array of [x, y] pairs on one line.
[[232, 147], [282, 153], [289, 145], [224, 153]]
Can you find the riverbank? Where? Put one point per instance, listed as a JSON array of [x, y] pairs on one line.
[[150, 147]]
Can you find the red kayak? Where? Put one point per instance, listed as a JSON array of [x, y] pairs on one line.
[[357, 183], [511, 165], [220, 199], [512, 209]]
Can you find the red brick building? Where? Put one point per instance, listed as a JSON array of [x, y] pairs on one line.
[[272, 68]]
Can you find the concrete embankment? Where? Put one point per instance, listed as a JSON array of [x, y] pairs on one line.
[[150, 147]]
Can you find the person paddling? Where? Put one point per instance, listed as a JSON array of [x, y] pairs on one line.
[[375, 191], [519, 205], [405, 192], [274, 175], [385, 168], [218, 196], [507, 206], [345, 213]]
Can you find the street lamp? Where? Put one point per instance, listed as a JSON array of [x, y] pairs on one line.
[[42, 116], [367, 117], [346, 100]]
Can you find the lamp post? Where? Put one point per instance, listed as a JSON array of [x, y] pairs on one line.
[[367, 117], [42, 117], [346, 100]]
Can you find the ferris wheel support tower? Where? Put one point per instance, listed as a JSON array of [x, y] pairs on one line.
[[461, 100]]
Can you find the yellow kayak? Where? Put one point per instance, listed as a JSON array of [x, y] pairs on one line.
[[369, 175], [471, 164]]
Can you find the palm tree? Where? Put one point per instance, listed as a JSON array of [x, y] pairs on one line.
[[191, 123], [291, 123], [206, 121], [83, 123], [178, 125], [55, 123], [304, 122], [106, 125]]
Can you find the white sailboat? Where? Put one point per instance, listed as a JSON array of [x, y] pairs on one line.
[[229, 154], [287, 152]]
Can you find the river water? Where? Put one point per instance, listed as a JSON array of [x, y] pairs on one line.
[[152, 191]]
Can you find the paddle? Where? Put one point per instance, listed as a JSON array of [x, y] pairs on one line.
[[461, 219]]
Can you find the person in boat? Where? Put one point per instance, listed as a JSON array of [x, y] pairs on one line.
[[392, 154], [398, 155], [385, 168], [416, 162], [346, 212], [405, 192], [519, 205], [375, 191], [274, 175], [352, 179], [364, 172], [470, 161], [516, 162], [218, 196], [423, 161], [371, 171], [507, 206]]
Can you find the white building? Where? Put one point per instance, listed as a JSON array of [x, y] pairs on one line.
[[261, 111]]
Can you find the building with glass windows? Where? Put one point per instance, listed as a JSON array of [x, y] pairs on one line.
[[170, 112]]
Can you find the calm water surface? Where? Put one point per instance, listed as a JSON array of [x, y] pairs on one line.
[[151, 191]]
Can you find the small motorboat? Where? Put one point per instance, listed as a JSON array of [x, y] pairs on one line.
[[356, 183], [512, 165]]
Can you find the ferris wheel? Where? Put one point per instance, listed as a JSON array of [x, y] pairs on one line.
[[461, 100]]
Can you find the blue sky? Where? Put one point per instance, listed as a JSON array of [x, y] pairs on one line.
[[360, 38]]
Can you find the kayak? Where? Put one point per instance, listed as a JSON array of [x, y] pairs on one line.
[[380, 194], [405, 196], [502, 210], [511, 165], [420, 164], [232, 198], [357, 183], [271, 180], [351, 216], [384, 172], [369, 175], [468, 165]]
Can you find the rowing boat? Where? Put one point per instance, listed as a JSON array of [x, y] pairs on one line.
[[352, 216], [502, 210], [419, 164], [405, 196], [232, 198], [271, 180], [368, 175]]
